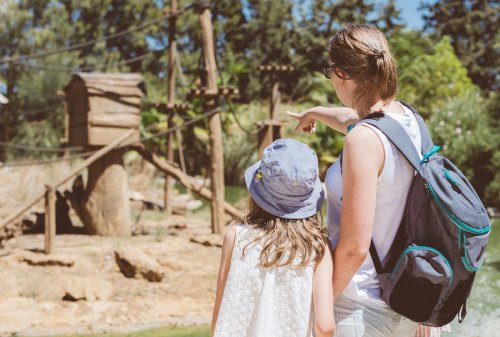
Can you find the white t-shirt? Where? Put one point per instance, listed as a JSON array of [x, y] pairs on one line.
[[392, 191]]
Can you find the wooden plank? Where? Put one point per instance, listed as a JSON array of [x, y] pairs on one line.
[[186, 180], [118, 105], [101, 136], [110, 77], [50, 219], [129, 121], [124, 91]]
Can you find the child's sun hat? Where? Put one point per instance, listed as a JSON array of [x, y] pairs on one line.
[[285, 182]]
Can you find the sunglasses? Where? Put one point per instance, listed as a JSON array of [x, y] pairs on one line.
[[329, 67]]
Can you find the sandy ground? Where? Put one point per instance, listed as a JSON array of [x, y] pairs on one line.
[[31, 297]]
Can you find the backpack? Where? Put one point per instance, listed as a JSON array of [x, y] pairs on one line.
[[441, 240]]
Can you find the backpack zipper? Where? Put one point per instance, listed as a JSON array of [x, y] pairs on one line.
[[459, 223], [463, 253]]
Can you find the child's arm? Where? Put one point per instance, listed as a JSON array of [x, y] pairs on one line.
[[337, 118], [324, 324], [225, 263]]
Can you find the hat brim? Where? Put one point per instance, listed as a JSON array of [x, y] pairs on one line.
[[276, 205]]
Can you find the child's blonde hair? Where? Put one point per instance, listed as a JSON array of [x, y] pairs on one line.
[[285, 239]]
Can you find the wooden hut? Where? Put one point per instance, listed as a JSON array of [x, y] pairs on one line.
[[101, 107]]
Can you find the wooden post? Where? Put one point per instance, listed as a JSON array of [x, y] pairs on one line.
[[169, 182], [275, 97], [178, 136], [50, 218], [215, 128], [270, 130], [172, 62]]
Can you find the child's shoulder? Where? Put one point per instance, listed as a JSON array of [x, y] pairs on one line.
[[230, 234]]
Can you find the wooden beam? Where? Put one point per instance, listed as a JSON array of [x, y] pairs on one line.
[[186, 180], [213, 94]]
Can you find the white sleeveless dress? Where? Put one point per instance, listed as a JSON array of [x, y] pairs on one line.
[[264, 302]]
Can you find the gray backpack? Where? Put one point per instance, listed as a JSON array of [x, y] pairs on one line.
[[442, 237]]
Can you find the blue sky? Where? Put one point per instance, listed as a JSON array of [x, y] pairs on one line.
[[410, 12]]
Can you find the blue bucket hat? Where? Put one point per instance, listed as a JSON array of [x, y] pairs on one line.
[[285, 182]]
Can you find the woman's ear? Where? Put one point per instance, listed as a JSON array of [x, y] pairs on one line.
[[340, 73]]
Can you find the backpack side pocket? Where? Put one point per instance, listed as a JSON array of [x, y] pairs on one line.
[[418, 283]]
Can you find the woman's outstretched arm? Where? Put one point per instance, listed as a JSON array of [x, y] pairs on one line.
[[337, 118]]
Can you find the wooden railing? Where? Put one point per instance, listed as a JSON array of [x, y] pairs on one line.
[[50, 194]]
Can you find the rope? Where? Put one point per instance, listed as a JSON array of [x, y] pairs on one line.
[[174, 128], [104, 38], [48, 67], [47, 161], [39, 148], [248, 132]]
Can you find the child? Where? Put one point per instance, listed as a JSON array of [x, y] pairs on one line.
[[275, 277]]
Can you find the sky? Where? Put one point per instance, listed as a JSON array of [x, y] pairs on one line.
[[410, 12]]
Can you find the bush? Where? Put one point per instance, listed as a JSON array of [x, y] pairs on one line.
[[465, 131]]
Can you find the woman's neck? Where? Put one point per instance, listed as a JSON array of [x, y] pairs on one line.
[[379, 106]]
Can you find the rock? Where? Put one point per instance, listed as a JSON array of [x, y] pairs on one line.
[[178, 226], [34, 259], [493, 212], [209, 240], [87, 289], [135, 263]]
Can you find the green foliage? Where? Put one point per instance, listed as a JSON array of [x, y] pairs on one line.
[[428, 80], [473, 29], [464, 129]]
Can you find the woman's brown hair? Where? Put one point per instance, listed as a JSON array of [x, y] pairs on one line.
[[362, 53], [283, 240]]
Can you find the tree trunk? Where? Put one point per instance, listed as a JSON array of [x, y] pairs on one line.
[[106, 207]]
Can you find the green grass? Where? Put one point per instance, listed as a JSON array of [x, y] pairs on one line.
[[201, 331]]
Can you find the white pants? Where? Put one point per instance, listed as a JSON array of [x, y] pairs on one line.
[[356, 319]]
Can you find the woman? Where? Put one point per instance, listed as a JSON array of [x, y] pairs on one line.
[[367, 195]]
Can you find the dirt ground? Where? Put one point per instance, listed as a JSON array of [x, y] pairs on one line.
[[31, 297]]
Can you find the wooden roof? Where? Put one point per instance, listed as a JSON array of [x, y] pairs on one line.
[[124, 84]]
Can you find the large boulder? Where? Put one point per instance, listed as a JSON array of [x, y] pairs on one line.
[[135, 263]]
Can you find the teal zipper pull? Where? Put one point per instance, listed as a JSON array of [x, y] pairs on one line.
[[426, 156]]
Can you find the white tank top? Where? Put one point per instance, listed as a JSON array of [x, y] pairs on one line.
[[392, 190], [264, 302]]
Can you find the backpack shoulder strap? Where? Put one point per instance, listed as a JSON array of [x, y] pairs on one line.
[[398, 136], [427, 142]]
